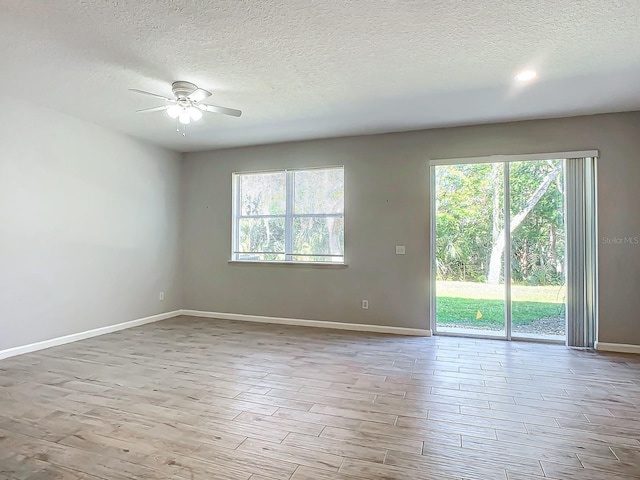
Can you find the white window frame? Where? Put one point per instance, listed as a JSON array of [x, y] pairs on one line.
[[288, 217]]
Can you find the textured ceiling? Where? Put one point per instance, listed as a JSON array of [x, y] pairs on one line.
[[304, 69]]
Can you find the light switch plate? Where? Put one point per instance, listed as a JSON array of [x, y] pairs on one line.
[[399, 249]]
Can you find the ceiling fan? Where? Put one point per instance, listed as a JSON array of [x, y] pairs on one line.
[[186, 106]]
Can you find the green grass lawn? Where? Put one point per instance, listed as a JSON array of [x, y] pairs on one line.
[[459, 302]]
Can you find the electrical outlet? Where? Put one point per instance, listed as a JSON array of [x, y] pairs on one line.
[[161, 296], [365, 304], [399, 249]]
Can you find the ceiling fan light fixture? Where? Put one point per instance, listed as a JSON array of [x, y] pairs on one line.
[[174, 111], [185, 107]]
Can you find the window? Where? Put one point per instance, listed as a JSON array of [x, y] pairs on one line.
[[289, 215]]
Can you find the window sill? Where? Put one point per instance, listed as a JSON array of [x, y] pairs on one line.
[[292, 264]]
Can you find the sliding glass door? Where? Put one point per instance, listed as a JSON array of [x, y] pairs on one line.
[[537, 224], [470, 214], [498, 249]]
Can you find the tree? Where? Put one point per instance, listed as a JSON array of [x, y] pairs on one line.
[[469, 221], [464, 216], [497, 251]]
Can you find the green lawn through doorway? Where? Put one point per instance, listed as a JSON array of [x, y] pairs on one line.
[[461, 303]]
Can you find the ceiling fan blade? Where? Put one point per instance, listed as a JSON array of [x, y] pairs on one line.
[[224, 110], [199, 95], [152, 95], [153, 109]]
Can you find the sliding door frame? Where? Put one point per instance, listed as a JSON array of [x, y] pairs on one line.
[[506, 188], [506, 160]]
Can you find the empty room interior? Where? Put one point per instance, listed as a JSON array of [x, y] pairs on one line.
[[320, 240]]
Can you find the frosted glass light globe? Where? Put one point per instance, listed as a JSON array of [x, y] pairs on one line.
[[174, 111]]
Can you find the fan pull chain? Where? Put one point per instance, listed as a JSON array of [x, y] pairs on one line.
[[184, 128]]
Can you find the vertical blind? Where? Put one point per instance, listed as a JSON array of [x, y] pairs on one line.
[[582, 251]]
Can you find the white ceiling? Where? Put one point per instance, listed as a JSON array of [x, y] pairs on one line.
[[304, 69]]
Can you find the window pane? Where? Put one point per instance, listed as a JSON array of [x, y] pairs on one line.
[[318, 236], [317, 258], [261, 235], [319, 191], [261, 257], [262, 193]]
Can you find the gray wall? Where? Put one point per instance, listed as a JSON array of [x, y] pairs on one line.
[[89, 230], [387, 204]]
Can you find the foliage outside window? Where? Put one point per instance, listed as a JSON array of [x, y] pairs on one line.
[[470, 222], [289, 215]]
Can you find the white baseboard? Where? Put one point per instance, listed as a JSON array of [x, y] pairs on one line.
[[74, 337], [359, 327], [12, 352], [617, 347]]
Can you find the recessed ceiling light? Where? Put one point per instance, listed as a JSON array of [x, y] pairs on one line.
[[526, 75]]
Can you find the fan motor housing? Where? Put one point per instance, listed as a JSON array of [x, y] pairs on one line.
[[182, 90]]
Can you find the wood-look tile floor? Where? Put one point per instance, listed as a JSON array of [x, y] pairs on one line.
[[190, 398]]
